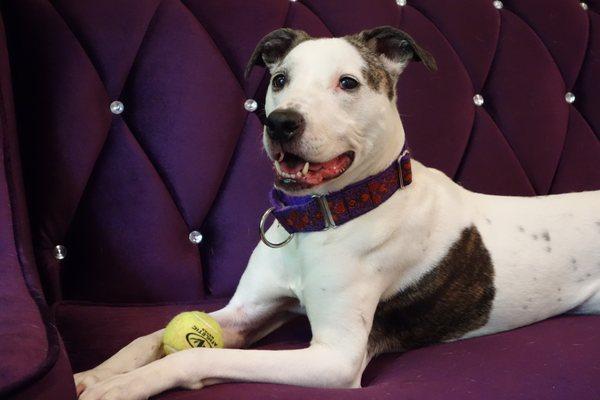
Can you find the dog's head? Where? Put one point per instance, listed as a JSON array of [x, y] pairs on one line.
[[331, 105]]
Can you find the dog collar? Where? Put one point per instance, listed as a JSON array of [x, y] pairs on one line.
[[318, 213]]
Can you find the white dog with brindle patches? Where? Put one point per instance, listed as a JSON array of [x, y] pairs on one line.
[[431, 262]]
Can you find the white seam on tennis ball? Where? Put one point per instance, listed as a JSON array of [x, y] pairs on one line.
[[208, 327]]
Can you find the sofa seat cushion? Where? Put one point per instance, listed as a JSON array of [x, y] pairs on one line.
[[94, 332], [554, 359]]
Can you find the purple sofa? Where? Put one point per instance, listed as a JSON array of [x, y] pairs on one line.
[[120, 193]]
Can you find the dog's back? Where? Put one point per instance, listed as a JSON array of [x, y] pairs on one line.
[[546, 255]]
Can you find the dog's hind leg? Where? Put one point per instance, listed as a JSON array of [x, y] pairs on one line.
[[590, 306]]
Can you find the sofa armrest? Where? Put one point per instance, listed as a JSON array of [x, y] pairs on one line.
[[30, 346]]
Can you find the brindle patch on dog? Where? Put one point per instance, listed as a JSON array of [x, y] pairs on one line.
[[451, 300], [378, 78]]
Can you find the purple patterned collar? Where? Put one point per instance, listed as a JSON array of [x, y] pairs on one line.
[[317, 213]]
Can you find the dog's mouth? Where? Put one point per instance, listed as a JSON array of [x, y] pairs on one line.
[[296, 173]]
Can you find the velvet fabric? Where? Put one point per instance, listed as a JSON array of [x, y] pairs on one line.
[[122, 191], [33, 364], [536, 362], [52, 383], [116, 188]]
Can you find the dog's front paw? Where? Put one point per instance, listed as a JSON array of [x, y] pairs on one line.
[[90, 377], [128, 386]]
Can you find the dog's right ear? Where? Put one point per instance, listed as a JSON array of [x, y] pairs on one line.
[[274, 47]]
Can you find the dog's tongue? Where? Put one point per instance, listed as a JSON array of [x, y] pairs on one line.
[[317, 172]]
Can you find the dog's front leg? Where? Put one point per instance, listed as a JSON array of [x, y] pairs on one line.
[[259, 306], [319, 365], [237, 332], [242, 324], [141, 351], [336, 357]]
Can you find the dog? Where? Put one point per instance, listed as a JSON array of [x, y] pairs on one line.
[[380, 252]]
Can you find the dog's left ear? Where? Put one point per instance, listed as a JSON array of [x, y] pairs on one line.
[[396, 48], [274, 47]]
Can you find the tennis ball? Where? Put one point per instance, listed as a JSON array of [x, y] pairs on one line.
[[192, 329]]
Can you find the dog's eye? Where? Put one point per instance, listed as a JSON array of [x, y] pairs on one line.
[[348, 83], [279, 81]]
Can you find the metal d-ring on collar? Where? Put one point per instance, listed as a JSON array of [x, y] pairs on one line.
[[263, 236], [312, 214], [329, 222]]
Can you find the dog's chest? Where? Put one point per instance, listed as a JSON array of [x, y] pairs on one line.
[[324, 267]]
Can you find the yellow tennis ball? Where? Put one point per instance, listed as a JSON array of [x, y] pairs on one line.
[[192, 329]]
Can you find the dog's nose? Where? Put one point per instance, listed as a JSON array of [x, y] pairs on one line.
[[283, 125]]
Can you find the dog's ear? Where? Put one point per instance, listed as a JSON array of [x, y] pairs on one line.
[[274, 47], [396, 48]]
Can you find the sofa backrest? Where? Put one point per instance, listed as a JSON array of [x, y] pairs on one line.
[[122, 191]]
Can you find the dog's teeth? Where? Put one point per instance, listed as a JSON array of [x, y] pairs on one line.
[[281, 155], [299, 174], [305, 169], [277, 167]]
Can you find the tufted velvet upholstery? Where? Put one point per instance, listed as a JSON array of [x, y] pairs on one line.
[[122, 192]]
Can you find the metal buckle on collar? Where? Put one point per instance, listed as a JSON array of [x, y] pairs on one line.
[[329, 222], [399, 161]]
